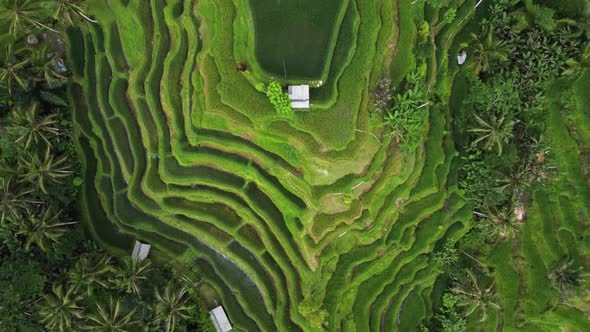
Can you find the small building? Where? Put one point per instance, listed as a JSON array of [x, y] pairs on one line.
[[299, 95], [140, 251], [520, 213], [462, 57], [220, 320]]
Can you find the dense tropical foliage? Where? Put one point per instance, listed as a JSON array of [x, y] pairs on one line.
[[517, 55], [52, 277]]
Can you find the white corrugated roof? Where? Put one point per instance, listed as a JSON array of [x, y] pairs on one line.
[[220, 320], [461, 58], [140, 251], [300, 104], [299, 95]]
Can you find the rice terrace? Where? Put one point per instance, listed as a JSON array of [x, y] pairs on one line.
[[297, 165]]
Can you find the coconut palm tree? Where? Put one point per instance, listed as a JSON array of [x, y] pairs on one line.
[[496, 131], [500, 224], [172, 306], [16, 200], [91, 270], [15, 73], [565, 277], [485, 51], [474, 296], [42, 228], [43, 171], [60, 310], [21, 16], [44, 68], [516, 181], [69, 12], [112, 318], [34, 128], [132, 273]]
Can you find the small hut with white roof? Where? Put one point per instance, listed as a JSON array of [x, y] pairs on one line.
[[299, 95]]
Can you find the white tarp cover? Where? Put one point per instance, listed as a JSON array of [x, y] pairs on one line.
[[462, 57], [299, 95], [140, 251], [220, 320]]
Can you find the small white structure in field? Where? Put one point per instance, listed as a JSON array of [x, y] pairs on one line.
[[140, 251], [520, 213], [299, 95], [462, 57], [220, 320]]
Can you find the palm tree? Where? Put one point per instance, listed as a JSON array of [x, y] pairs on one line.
[[501, 224], [15, 73], [91, 270], [565, 277], [60, 309], [69, 11], [42, 228], [114, 318], [130, 276], [474, 296], [41, 172], [494, 132], [172, 306], [485, 51], [33, 127], [23, 15], [15, 200], [515, 182], [44, 68]]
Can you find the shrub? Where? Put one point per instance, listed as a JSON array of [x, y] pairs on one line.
[[279, 100], [407, 116], [543, 17], [450, 318], [438, 3], [423, 32], [261, 87]]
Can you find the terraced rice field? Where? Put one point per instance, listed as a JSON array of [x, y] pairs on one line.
[[295, 38], [314, 222]]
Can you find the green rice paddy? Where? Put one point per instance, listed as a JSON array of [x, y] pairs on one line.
[[295, 39], [315, 222]]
